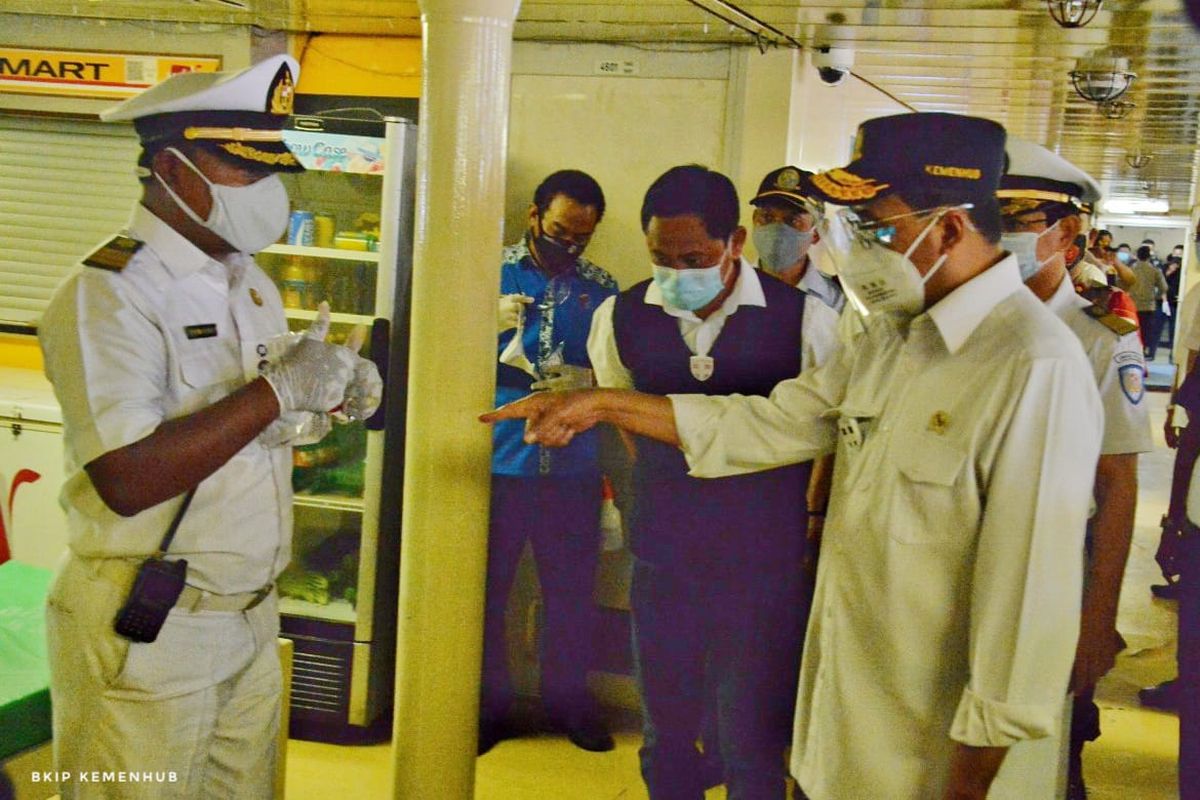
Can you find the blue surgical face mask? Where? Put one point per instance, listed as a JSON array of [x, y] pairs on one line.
[[1124, 257], [690, 289], [780, 245]]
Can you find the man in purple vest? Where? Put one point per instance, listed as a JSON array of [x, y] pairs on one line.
[[716, 595]]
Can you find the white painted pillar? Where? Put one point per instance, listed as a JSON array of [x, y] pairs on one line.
[[460, 207]]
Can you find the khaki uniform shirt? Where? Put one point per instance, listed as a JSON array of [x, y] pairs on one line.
[[948, 595], [170, 333]]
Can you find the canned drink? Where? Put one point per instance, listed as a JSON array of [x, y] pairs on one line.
[[323, 226], [300, 228]]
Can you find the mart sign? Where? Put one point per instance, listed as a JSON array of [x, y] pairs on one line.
[[112, 76]]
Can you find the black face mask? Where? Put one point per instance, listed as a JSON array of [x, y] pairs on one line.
[[553, 255]]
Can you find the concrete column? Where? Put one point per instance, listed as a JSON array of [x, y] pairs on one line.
[[460, 207]]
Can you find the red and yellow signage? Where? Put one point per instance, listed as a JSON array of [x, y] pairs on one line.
[[111, 76]]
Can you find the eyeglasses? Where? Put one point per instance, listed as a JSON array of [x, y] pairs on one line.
[[868, 232]]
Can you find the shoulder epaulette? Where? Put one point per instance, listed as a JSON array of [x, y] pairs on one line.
[[114, 254], [1115, 323]]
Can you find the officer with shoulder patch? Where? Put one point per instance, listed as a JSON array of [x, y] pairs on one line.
[[175, 418], [1044, 200]]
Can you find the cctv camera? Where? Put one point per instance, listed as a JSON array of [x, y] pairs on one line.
[[833, 64]]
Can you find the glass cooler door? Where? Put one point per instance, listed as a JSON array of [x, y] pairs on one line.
[[348, 244]]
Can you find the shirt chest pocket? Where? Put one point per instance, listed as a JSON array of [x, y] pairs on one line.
[[928, 503], [208, 362]]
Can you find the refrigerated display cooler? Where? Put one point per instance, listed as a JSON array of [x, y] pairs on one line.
[[349, 244]]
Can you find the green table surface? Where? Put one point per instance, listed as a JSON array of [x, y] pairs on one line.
[[24, 671]]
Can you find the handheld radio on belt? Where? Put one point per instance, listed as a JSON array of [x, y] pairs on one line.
[[156, 589]]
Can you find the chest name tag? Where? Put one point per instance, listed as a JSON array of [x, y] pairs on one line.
[[702, 367], [206, 331], [115, 254]]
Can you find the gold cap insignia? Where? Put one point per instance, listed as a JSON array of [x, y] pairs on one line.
[[842, 185], [255, 296], [282, 92], [788, 179], [262, 156]]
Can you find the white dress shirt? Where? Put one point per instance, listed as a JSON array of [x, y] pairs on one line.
[[171, 333], [823, 304], [1119, 370], [948, 596], [698, 334]]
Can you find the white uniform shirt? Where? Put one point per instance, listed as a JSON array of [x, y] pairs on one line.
[[129, 350], [823, 303], [698, 334], [948, 596], [1119, 369]]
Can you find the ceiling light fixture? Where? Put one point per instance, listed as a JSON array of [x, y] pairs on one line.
[[1138, 160], [1074, 13], [1116, 109], [1102, 80], [1137, 205]]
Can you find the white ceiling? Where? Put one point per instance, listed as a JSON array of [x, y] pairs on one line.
[[1004, 59]]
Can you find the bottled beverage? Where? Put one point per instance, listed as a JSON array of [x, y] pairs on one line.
[[293, 284]]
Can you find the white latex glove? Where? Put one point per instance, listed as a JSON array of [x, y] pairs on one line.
[[296, 428], [312, 375], [365, 390], [563, 378], [512, 309]]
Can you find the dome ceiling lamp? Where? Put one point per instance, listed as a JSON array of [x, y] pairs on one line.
[[1138, 160], [1102, 80], [1074, 13]]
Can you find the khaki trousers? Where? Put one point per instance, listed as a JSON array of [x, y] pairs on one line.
[[194, 714]]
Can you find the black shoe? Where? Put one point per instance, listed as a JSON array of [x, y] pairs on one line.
[[1166, 591], [589, 733], [491, 734], [1164, 697]]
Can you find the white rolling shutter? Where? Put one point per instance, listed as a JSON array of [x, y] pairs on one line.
[[65, 186]]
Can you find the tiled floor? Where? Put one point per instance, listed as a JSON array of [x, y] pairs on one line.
[[1134, 759]]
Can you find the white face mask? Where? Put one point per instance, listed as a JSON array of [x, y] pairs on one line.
[[248, 217], [1024, 246], [876, 278]]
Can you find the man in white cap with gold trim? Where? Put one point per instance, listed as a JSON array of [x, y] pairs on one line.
[[162, 647], [1044, 200]]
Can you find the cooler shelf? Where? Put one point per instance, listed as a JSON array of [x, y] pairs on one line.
[[333, 501], [333, 611], [338, 253], [348, 319]]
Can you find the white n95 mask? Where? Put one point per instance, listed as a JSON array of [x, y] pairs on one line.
[[248, 217], [876, 278]]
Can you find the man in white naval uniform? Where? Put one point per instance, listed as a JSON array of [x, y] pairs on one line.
[[1043, 201], [157, 349], [967, 427]]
